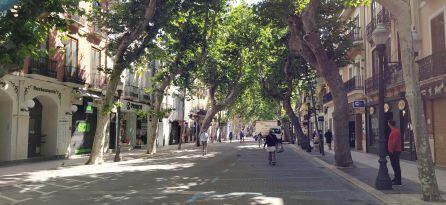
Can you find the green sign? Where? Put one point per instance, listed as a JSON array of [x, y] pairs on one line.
[[83, 127], [89, 108]]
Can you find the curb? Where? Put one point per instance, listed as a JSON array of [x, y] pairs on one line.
[[356, 182]]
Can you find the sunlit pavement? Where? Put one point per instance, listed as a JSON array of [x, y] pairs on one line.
[[231, 173]]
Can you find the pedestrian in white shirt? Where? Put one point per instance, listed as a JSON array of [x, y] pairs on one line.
[[204, 137]]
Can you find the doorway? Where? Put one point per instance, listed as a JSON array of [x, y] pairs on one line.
[[351, 133], [35, 130]]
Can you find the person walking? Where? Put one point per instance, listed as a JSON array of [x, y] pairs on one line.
[[204, 137], [230, 137], [270, 143], [394, 149], [242, 135], [328, 138]]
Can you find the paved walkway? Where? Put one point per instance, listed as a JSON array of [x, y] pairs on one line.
[[78, 160], [365, 172], [231, 173]]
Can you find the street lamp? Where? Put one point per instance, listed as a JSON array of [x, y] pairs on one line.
[[380, 36], [117, 139], [416, 42]]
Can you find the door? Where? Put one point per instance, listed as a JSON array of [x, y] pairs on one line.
[[351, 133], [440, 131], [35, 129]]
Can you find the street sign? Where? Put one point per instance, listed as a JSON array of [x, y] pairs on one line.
[[320, 118], [358, 104]]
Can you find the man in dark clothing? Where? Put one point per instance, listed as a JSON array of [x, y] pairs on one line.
[[394, 149], [242, 135], [230, 137], [270, 143], [328, 138]]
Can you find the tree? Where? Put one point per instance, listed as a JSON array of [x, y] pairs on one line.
[[227, 69], [322, 41], [25, 24], [178, 49], [132, 32], [401, 10]]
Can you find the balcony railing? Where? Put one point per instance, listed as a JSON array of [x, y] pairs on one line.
[[355, 35], [327, 97], [98, 81], [384, 17], [74, 75], [432, 66], [78, 19], [370, 28], [356, 83], [393, 76], [351, 85], [43, 66]]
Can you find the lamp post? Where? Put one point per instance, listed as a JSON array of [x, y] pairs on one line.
[[117, 137], [416, 42], [380, 36]]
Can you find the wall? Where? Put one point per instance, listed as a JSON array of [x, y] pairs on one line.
[[5, 126]]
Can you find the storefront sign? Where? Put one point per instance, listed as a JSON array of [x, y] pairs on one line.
[[131, 106], [44, 90], [320, 118], [433, 89], [359, 104]]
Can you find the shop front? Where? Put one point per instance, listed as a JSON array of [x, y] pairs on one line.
[[394, 109], [84, 126], [434, 98], [133, 128]]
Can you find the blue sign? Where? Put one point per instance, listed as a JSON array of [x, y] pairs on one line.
[[359, 104]]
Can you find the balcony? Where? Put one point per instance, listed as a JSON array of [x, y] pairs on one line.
[[351, 85], [393, 76], [327, 98], [370, 28], [131, 92], [384, 17], [43, 66], [78, 21], [432, 66], [96, 34], [98, 81], [356, 83], [74, 74]]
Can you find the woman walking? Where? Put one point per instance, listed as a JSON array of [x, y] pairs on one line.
[[270, 143]]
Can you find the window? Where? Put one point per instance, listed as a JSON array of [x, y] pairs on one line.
[[437, 33], [71, 52], [95, 59], [350, 72]]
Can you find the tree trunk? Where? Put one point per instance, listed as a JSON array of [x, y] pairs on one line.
[[151, 135], [311, 48], [153, 123], [210, 114], [294, 119], [286, 130], [97, 151]]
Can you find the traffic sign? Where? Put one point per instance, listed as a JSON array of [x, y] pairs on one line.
[[358, 104]]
